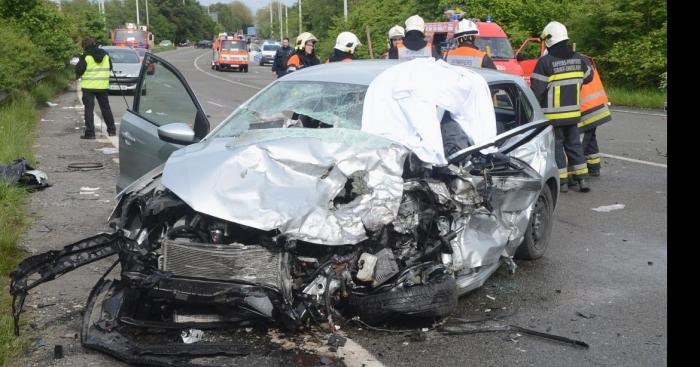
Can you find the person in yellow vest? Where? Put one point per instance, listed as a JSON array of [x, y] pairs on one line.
[[556, 82], [345, 45], [93, 70], [395, 35], [414, 44], [466, 53]]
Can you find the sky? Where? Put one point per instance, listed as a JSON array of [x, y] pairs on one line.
[[254, 5]]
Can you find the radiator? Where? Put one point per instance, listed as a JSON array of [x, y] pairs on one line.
[[233, 262]]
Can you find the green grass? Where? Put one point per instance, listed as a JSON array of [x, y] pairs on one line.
[[642, 98], [156, 49], [18, 118]]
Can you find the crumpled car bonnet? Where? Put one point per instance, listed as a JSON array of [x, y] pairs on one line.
[[286, 179]]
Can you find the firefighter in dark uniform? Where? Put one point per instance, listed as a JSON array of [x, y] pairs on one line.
[[556, 82], [466, 53], [395, 35], [345, 45], [305, 55], [414, 44]]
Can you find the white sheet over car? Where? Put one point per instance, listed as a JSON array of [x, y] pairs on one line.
[[401, 104]]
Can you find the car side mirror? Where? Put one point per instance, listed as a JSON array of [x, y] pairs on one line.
[[176, 133], [520, 56]]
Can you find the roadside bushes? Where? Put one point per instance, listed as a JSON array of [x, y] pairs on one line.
[[18, 60]]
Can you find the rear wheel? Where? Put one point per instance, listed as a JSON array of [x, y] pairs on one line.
[[245, 69], [539, 229]]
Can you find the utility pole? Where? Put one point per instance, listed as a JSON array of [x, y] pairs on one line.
[[147, 23], [299, 16], [272, 27], [137, 13], [345, 9], [286, 20], [279, 10]]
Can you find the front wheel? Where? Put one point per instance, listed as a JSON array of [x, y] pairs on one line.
[[539, 229], [245, 69]]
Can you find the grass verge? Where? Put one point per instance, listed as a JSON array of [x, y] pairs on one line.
[[642, 98], [157, 48], [18, 117]]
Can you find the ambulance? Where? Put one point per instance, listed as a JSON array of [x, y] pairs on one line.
[[229, 52]]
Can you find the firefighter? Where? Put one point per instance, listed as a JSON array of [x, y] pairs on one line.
[[557, 81], [594, 112], [466, 53], [304, 55], [345, 45], [93, 71], [395, 35], [414, 44]]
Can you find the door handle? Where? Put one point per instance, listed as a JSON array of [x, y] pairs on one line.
[[128, 139]]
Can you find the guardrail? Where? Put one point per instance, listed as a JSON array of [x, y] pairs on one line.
[[4, 93]]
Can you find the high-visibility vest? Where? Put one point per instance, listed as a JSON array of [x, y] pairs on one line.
[[96, 75], [594, 104], [408, 54], [465, 56], [294, 63]]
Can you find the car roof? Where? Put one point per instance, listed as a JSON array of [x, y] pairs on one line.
[[364, 71], [117, 48]]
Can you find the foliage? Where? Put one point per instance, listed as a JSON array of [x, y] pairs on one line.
[[19, 62], [636, 97]]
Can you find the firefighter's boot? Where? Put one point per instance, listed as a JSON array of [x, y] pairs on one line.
[[583, 185]]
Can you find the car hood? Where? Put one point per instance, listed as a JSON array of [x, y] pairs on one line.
[[124, 69], [287, 179]]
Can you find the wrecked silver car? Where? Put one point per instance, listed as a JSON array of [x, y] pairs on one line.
[[337, 191]]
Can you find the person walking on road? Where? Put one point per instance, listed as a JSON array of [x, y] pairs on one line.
[[93, 70], [304, 55], [345, 45], [414, 44], [395, 35], [466, 53], [279, 63], [556, 82]]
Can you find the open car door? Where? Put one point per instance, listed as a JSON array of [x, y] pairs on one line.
[[528, 54], [162, 97]]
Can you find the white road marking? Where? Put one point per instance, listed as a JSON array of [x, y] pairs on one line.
[[220, 78], [639, 113], [314, 341], [633, 160], [215, 104], [355, 355]]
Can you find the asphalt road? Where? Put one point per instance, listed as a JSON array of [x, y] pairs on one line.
[[602, 281]]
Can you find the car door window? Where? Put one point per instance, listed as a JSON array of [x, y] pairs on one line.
[[510, 105], [163, 98]]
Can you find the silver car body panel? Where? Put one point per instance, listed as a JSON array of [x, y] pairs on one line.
[[286, 179]]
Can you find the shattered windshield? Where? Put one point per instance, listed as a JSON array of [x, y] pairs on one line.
[[300, 105]]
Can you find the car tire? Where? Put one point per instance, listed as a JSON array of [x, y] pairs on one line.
[[434, 300], [539, 229]]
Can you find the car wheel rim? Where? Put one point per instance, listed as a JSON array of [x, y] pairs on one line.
[[538, 223]]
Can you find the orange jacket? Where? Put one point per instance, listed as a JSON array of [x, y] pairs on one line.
[[594, 103], [465, 56]]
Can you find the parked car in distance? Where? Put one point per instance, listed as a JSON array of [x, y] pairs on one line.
[[166, 43], [268, 53], [204, 44], [185, 43], [126, 65]]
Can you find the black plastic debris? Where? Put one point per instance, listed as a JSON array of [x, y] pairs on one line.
[[58, 351], [20, 172], [335, 342], [585, 315]]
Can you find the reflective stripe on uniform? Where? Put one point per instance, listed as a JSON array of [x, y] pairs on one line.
[[570, 75], [563, 115], [560, 109], [557, 96], [408, 54], [593, 160], [460, 60], [563, 173], [592, 96], [539, 77], [94, 78], [581, 171], [595, 116]]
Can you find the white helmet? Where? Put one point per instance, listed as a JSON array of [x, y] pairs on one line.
[[303, 38], [466, 27], [347, 42], [554, 33], [415, 23], [396, 31]]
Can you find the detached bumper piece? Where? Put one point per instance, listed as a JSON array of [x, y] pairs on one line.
[[42, 268]]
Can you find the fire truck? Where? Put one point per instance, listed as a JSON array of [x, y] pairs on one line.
[[229, 52], [132, 36]]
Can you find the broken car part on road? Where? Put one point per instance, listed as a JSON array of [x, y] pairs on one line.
[[288, 219], [21, 172]]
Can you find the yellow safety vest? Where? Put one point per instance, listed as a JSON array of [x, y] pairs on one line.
[[96, 75]]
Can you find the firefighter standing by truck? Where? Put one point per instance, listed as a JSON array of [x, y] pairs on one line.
[[345, 45], [93, 69], [414, 44], [466, 53], [556, 82], [395, 35]]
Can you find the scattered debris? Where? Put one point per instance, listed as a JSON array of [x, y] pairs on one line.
[[335, 342], [108, 150], [404, 343], [490, 297], [89, 166], [45, 120], [21, 172], [585, 315], [650, 263], [70, 336], [608, 208], [51, 104], [558, 290], [418, 336], [191, 336], [58, 351]]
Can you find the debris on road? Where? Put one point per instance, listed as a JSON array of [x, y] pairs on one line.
[[586, 315], [491, 297], [58, 351], [51, 104], [21, 172], [608, 208], [650, 263], [192, 336], [108, 150]]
